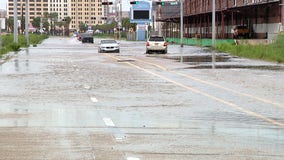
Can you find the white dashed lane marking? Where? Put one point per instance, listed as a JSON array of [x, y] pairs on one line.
[[132, 158], [94, 99], [108, 122]]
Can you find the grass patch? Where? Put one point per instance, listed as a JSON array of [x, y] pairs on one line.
[[110, 35], [273, 52], [8, 44]]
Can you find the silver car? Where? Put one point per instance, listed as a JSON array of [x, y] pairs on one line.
[[156, 43], [108, 45]]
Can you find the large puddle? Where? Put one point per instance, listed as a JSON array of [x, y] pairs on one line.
[[222, 61]]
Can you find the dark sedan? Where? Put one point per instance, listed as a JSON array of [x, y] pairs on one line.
[[87, 38]]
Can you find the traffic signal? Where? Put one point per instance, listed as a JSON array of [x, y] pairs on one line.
[[107, 3], [160, 3], [134, 2]]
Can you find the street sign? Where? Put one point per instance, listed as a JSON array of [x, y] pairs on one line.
[[107, 3], [174, 3], [134, 2]]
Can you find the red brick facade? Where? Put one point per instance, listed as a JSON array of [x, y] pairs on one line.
[[265, 18]]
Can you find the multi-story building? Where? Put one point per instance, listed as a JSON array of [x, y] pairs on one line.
[[36, 8], [264, 18], [58, 6], [2, 19], [89, 12]]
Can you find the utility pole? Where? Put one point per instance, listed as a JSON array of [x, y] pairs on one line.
[[159, 17], [282, 15], [181, 23], [213, 33], [15, 21], [26, 23], [119, 20], [0, 35]]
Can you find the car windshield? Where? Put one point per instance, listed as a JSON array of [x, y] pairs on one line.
[[156, 39], [107, 41]]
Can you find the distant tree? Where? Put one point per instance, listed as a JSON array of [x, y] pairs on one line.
[[67, 24], [36, 22], [83, 27], [127, 25], [50, 17], [10, 24]]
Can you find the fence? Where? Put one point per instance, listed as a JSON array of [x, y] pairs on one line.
[[198, 41]]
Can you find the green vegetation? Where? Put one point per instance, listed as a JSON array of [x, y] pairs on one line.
[[8, 44], [110, 35], [271, 52]]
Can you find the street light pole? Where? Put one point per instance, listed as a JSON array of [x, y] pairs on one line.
[[213, 33], [26, 24], [159, 17], [15, 21], [181, 23], [120, 20], [0, 35]]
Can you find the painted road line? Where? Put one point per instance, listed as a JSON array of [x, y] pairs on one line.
[[108, 122], [118, 135], [94, 99], [132, 158], [235, 106], [216, 85], [231, 90]]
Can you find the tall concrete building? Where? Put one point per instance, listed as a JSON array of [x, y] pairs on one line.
[[36, 8], [88, 12], [2, 19]]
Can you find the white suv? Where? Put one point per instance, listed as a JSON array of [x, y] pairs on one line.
[[156, 43]]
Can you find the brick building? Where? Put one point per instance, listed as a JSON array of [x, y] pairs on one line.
[[264, 18]]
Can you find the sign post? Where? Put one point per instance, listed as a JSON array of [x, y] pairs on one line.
[[213, 34], [15, 22], [26, 23]]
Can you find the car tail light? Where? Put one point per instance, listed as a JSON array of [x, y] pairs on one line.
[[147, 44], [165, 44]]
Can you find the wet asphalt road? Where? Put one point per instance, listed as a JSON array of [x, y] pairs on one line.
[[63, 100]]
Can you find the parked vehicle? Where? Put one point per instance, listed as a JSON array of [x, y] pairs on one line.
[[87, 38], [108, 45], [241, 31], [156, 43]]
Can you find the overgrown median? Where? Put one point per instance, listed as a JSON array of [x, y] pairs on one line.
[[8, 44], [271, 52]]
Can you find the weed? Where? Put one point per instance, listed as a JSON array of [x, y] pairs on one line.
[[272, 52]]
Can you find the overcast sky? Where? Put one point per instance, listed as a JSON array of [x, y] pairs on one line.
[[2, 4], [125, 5]]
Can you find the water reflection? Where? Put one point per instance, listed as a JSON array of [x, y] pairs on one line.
[[181, 54], [19, 64], [16, 62], [27, 60]]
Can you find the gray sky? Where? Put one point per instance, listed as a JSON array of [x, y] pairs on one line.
[[125, 5], [2, 4]]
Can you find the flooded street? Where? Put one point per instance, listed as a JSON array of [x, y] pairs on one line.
[[64, 100]]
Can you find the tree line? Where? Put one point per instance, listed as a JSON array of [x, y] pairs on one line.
[[49, 24]]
